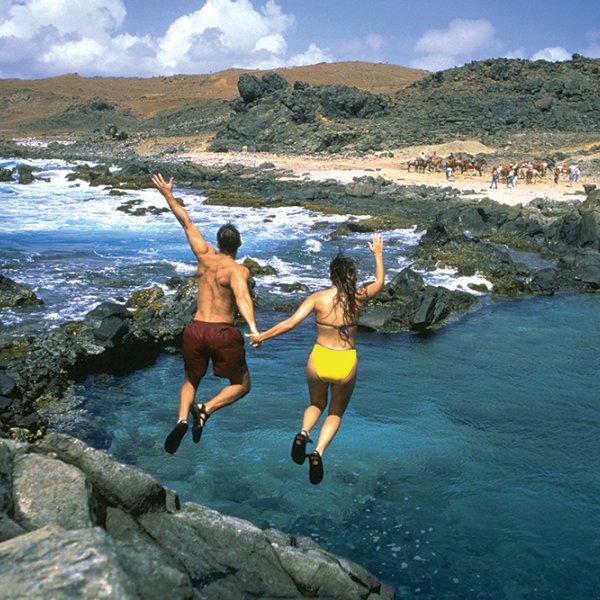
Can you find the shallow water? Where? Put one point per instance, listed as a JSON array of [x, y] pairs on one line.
[[466, 465]]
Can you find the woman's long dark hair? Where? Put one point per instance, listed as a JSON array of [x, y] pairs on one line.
[[342, 271]]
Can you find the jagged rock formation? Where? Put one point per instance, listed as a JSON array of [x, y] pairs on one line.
[[15, 294], [489, 100], [74, 523]]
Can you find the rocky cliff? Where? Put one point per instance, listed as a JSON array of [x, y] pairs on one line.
[[74, 523], [492, 100]]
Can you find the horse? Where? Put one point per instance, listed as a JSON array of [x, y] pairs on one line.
[[476, 165], [433, 163], [418, 164], [531, 175], [454, 163], [541, 167]]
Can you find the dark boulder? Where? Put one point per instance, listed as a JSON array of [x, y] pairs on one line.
[[15, 294], [580, 227], [407, 303]]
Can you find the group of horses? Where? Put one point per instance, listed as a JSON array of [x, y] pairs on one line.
[[436, 163], [528, 171]]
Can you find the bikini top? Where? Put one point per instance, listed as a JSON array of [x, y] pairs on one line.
[[338, 327]]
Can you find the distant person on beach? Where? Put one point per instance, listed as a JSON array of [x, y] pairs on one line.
[[574, 173], [448, 173], [494, 183], [332, 364], [510, 178], [212, 335]]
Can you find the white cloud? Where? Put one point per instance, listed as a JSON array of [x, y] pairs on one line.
[[225, 33], [463, 36], [26, 19], [517, 53], [441, 49], [40, 38], [553, 54], [434, 62], [312, 56]]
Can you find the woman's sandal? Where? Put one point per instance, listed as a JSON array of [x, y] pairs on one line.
[[315, 473], [200, 416], [299, 447]]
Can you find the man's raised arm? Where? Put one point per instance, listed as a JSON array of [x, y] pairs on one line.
[[197, 242]]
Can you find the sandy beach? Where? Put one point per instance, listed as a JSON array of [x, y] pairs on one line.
[[344, 170]]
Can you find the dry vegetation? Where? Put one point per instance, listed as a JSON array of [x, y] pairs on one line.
[[24, 101]]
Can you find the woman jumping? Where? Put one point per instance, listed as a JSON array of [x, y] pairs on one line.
[[332, 363]]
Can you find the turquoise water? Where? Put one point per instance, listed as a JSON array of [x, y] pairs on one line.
[[466, 465], [467, 462]]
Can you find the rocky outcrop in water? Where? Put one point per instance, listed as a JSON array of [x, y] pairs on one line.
[[74, 523], [15, 294], [407, 303]]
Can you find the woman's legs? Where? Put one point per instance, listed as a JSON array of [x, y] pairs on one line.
[[318, 391], [340, 397]]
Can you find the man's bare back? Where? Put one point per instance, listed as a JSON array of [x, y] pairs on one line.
[[216, 300]]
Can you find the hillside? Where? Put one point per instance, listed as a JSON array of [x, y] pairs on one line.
[[496, 101], [73, 103]]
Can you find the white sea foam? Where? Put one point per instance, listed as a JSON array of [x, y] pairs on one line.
[[70, 244], [447, 278], [313, 245]]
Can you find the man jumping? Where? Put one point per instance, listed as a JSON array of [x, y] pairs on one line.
[[212, 335]]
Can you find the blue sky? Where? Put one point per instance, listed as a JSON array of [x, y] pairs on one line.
[[142, 38]]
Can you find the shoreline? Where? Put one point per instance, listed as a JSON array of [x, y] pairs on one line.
[[345, 170]]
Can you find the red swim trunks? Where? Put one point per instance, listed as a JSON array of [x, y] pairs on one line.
[[220, 342]]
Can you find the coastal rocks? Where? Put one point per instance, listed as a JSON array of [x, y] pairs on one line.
[[15, 294], [76, 523], [110, 339], [581, 227], [258, 270], [142, 299], [408, 303], [470, 256]]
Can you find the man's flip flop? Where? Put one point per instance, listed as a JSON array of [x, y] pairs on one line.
[[200, 417], [299, 447], [174, 438], [315, 473]]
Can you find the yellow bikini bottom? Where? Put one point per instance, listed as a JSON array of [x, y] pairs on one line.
[[333, 366]]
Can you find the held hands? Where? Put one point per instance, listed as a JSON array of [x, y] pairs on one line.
[[376, 244], [164, 187], [255, 339]]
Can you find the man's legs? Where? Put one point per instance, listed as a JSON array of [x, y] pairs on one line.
[[239, 386], [186, 399]]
